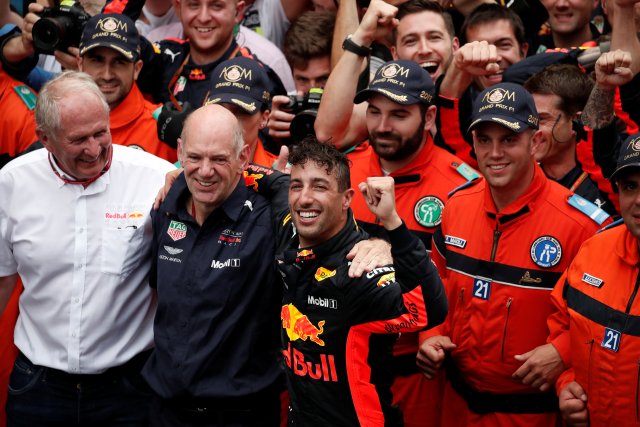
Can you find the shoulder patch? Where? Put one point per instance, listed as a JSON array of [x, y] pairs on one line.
[[467, 171], [27, 96], [588, 208], [463, 186]]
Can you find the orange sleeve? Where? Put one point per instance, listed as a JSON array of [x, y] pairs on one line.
[[558, 322]]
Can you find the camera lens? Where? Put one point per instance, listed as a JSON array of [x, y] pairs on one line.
[[302, 125], [49, 33]]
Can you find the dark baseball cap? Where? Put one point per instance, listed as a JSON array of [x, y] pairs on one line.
[[404, 82], [629, 157], [240, 81], [114, 31], [507, 104]]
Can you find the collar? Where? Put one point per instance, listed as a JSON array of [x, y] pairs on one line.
[[128, 110], [627, 246], [525, 203], [65, 178], [175, 201], [412, 171], [570, 177], [346, 238]]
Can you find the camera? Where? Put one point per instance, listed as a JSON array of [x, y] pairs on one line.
[[305, 109], [59, 27]]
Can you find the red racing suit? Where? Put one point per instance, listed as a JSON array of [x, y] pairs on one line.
[[422, 188], [598, 293], [338, 331], [132, 124], [498, 269]]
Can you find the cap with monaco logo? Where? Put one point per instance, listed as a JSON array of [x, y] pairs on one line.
[[114, 31], [507, 104], [629, 157], [240, 81], [404, 82]]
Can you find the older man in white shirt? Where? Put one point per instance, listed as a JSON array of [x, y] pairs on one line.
[[75, 226]]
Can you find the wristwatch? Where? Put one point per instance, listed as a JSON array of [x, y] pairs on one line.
[[352, 47]]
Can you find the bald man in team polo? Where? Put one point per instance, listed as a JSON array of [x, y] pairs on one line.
[[400, 116]]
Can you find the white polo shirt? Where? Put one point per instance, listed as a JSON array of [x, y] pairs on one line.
[[83, 255]]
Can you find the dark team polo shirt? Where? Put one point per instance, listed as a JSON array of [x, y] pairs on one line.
[[216, 328]]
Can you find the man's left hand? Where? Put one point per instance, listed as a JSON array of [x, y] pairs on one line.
[[541, 367], [379, 193], [367, 255]]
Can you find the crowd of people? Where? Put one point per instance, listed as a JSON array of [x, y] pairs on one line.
[[319, 213]]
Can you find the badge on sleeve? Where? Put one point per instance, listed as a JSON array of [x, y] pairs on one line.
[[546, 251], [428, 211]]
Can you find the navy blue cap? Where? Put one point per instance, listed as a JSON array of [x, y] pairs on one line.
[[507, 104], [111, 30], [240, 81], [404, 82], [629, 157]]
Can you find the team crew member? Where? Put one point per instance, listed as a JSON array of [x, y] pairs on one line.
[[216, 331], [86, 312], [241, 85], [110, 54], [598, 296], [179, 71], [400, 116], [502, 245], [17, 124], [336, 358]]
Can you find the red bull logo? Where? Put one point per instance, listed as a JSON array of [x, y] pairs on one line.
[[299, 327], [197, 74], [324, 370], [251, 180], [305, 255], [135, 215]]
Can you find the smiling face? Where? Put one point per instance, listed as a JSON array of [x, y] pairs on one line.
[[208, 24], [112, 71], [210, 157], [423, 38], [569, 16], [82, 145], [505, 159], [499, 33], [318, 207]]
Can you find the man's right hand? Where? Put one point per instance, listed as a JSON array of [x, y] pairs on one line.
[[378, 21], [279, 120], [169, 179], [613, 69], [573, 405], [432, 353], [477, 58]]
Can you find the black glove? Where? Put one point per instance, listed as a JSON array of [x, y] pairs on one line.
[[170, 122]]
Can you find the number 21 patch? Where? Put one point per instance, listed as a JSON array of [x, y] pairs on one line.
[[611, 340], [481, 288]]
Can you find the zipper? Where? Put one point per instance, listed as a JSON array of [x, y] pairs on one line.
[[496, 238], [590, 344], [506, 323], [633, 294]]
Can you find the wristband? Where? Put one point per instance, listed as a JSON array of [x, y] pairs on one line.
[[352, 47]]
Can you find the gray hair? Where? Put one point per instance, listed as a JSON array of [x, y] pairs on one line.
[[69, 83]]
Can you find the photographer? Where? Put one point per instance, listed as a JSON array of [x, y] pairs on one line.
[[307, 47], [110, 53]]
